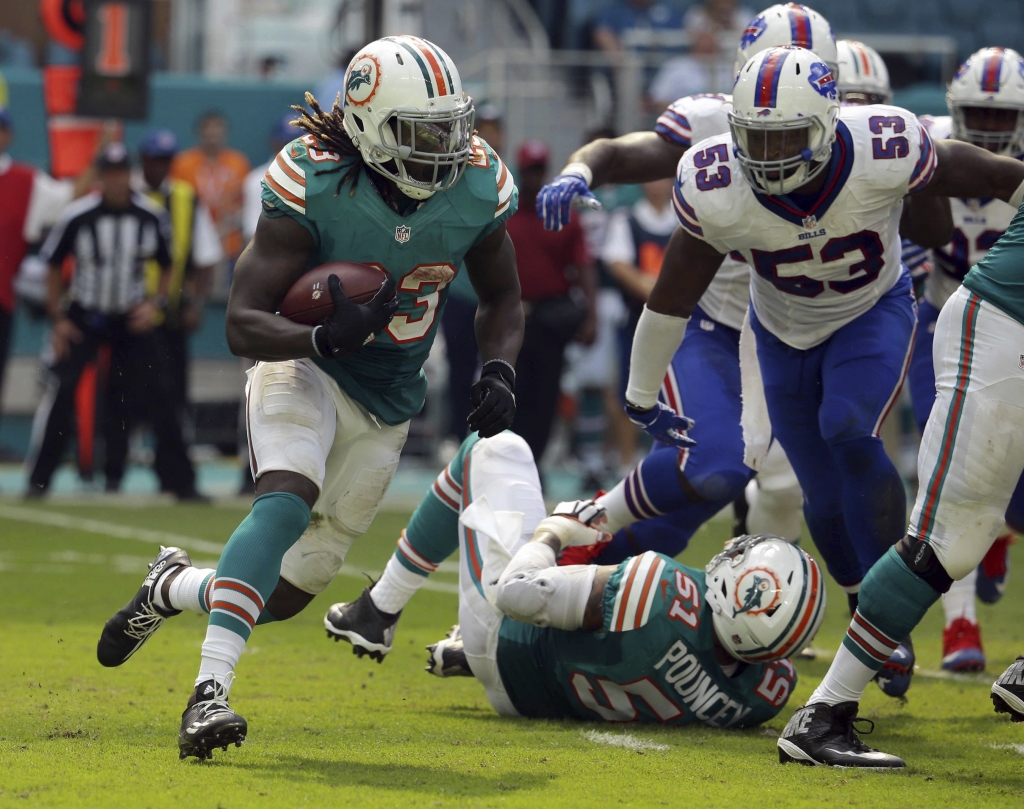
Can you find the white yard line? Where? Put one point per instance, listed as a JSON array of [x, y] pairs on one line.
[[624, 740], [102, 527]]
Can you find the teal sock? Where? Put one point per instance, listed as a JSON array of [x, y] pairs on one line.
[[250, 565], [892, 601], [431, 536]]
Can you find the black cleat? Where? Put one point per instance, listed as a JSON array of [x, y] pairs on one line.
[[208, 722], [448, 657], [359, 622], [823, 734], [1008, 691], [133, 624]]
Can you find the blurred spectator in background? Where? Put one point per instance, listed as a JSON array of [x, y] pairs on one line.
[[195, 249], [217, 174], [558, 289], [281, 135], [632, 252], [635, 24], [30, 201], [110, 234], [458, 321], [713, 28]]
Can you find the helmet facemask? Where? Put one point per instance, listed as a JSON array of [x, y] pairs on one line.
[[779, 156], [998, 128], [422, 152]]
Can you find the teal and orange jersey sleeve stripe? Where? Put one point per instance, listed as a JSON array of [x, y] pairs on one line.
[[287, 181]]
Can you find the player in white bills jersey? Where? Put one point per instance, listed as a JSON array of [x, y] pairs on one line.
[[811, 197], [670, 494], [986, 103]]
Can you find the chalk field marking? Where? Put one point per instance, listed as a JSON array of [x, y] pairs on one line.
[[1017, 748], [67, 561], [624, 740]]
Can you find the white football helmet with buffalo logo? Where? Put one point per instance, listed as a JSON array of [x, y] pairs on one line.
[[788, 24], [991, 79], [785, 109], [767, 598], [407, 113], [863, 77]]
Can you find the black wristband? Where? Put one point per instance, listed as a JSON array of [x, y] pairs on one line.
[[320, 342], [502, 369]]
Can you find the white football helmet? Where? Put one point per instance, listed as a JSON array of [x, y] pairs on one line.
[[406, 111], [784, 114], [991, 79], [788, 24], [767, 598], [863, 76]]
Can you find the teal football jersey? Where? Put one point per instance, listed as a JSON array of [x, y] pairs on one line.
[[654, 661], [423, 251], [998, 278]]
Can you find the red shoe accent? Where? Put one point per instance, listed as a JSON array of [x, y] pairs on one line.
[[580, 555], [959, 637], [994, 563]]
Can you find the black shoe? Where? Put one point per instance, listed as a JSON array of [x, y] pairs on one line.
[[740, 510], [823, 734], [193, 496], [1008, 691], [369, 630], [133, 624], [208, 722], [448, 657]]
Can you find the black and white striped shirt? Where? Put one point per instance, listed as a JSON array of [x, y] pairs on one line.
[[110, 247]]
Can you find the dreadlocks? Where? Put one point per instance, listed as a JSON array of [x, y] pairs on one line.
[[329, 129]]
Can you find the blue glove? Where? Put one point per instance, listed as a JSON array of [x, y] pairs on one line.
[[663, 424], [555, 200]]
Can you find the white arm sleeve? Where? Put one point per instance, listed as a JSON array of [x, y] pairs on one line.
[[533, 590], [655, 342]]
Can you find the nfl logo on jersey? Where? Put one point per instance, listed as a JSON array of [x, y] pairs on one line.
[[402, 233], [1021, 363], [810, 222]]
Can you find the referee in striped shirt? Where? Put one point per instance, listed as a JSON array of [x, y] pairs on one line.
[[110, 234]]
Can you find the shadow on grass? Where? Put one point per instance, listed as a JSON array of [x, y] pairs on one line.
[[397, 777]]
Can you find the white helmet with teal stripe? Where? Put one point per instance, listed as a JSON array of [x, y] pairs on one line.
[[406, 111], [767, 598]]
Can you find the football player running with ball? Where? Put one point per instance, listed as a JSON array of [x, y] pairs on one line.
[[394, 177]]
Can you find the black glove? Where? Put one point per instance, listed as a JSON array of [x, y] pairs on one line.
[[494, 403], [353, 324]]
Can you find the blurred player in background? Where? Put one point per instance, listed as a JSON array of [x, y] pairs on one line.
[[660, 642], [217, 172], [986, 105], [391, 176]]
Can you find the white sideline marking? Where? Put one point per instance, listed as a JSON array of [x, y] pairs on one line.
[[965, 677], [624, 740], [109, 529], [1017, 748]]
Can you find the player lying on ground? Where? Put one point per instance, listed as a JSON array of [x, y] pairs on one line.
[[986, 106], [647, 640], [680, 490], [400, 183], [972, 455]]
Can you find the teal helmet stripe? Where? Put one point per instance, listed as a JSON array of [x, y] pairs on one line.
[[444, 63], [422, 64]]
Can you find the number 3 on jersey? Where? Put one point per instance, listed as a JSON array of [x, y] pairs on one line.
[[425, 281]]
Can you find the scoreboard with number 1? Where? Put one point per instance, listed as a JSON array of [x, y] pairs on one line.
[[115, 59]]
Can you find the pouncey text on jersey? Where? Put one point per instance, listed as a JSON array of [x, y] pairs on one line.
[[653, 661]]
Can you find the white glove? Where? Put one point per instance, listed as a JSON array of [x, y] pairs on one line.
[[574, 523]]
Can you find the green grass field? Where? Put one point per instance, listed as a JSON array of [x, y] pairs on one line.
[[328, 729]]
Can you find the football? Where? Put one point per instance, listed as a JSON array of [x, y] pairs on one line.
[[309, 301]]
